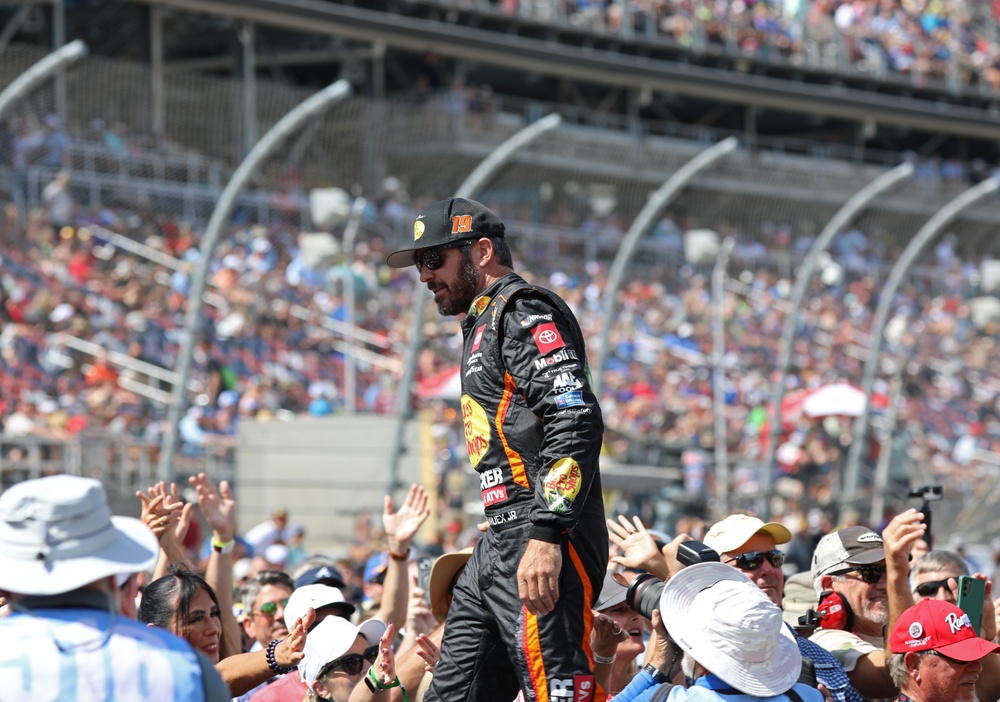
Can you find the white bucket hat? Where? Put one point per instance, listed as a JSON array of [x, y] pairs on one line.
[[720, 617], [57, 534], [332, 639]]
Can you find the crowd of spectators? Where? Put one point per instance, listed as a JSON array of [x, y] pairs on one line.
[[938, 42], [268, 351]]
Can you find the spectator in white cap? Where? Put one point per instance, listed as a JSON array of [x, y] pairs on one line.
[[325, 601], [338, 656], [60, 553], [730, 639], [751, 546]]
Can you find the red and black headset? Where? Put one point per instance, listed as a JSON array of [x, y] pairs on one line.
[[832, 612]]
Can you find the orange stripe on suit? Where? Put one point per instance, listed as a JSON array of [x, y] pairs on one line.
[[513, 457]]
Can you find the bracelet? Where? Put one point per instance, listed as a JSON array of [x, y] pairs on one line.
[[223, 547], [272, 662], [372, 681], [398, 557], [606, 660]]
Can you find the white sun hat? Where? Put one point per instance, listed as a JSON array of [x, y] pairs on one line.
[[57, 534], [331, 639], [727, 624]]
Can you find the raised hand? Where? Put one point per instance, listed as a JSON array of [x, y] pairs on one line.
[[638, 547], [289, 652], [384, 667], [429, 651], [402, 525], [219, 507], [606, 635]]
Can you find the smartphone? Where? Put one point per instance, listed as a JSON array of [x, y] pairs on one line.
[[971, 592]]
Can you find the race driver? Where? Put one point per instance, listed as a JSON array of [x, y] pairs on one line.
[[521, 614]]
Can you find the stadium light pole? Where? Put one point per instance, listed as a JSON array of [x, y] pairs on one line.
[[24, 83], [642, 223], [472, 184], [844, 215], [264, 148], [887, 295]]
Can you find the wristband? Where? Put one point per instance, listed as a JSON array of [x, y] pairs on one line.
[[376, 685], [399, 557], [658, 675], [223, 547], [272, 662], [606, 660]]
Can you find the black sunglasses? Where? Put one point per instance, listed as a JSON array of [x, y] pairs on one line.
[[432, 258], [931, 587], [352, 663], [752, 560], [870, 574]]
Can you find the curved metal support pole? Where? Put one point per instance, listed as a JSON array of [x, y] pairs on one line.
[[643, 221], [23, 84], [916, 246], [719, 375], [469, 187], [844, 215], [220, 215]]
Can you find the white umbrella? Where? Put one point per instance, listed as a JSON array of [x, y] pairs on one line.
[[834, 400]]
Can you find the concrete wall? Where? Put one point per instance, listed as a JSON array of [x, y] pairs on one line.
[[324, 471]]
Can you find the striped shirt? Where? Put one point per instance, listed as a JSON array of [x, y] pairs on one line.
[[85, 655]]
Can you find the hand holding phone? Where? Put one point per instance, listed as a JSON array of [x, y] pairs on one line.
[[971, 592]]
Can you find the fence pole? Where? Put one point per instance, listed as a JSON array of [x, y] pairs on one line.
[[49, 65]]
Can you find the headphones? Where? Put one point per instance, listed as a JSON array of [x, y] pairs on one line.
[[832, 612]]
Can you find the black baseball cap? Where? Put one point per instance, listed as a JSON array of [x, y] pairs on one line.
[[445, 222], [321, 575]]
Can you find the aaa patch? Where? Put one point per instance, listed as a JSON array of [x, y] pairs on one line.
[[418, 229]]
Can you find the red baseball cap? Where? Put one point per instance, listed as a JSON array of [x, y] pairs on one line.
[[940, 626]]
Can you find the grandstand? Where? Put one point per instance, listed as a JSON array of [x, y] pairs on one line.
[[93, 303]]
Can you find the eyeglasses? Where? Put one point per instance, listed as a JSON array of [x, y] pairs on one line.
[[352, 663], [269, 609], [432, 258], [752, 560], [870, 574], [930, 588]]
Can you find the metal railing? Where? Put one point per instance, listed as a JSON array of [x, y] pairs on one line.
[[121, 462]]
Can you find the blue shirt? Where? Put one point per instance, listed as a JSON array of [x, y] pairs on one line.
[[85, 655], [708, 688]]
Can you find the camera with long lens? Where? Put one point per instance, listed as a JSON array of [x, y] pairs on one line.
[[643, 595]]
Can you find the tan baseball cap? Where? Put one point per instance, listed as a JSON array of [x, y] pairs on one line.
[[736, 529]]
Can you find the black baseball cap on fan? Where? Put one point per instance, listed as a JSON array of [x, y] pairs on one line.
[[445, 222]]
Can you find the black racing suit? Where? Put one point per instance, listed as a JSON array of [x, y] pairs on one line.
[[534, 432]]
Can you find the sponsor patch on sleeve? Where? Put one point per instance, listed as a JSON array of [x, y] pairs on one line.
[[574, 398], [547, 337], [562, 485]]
